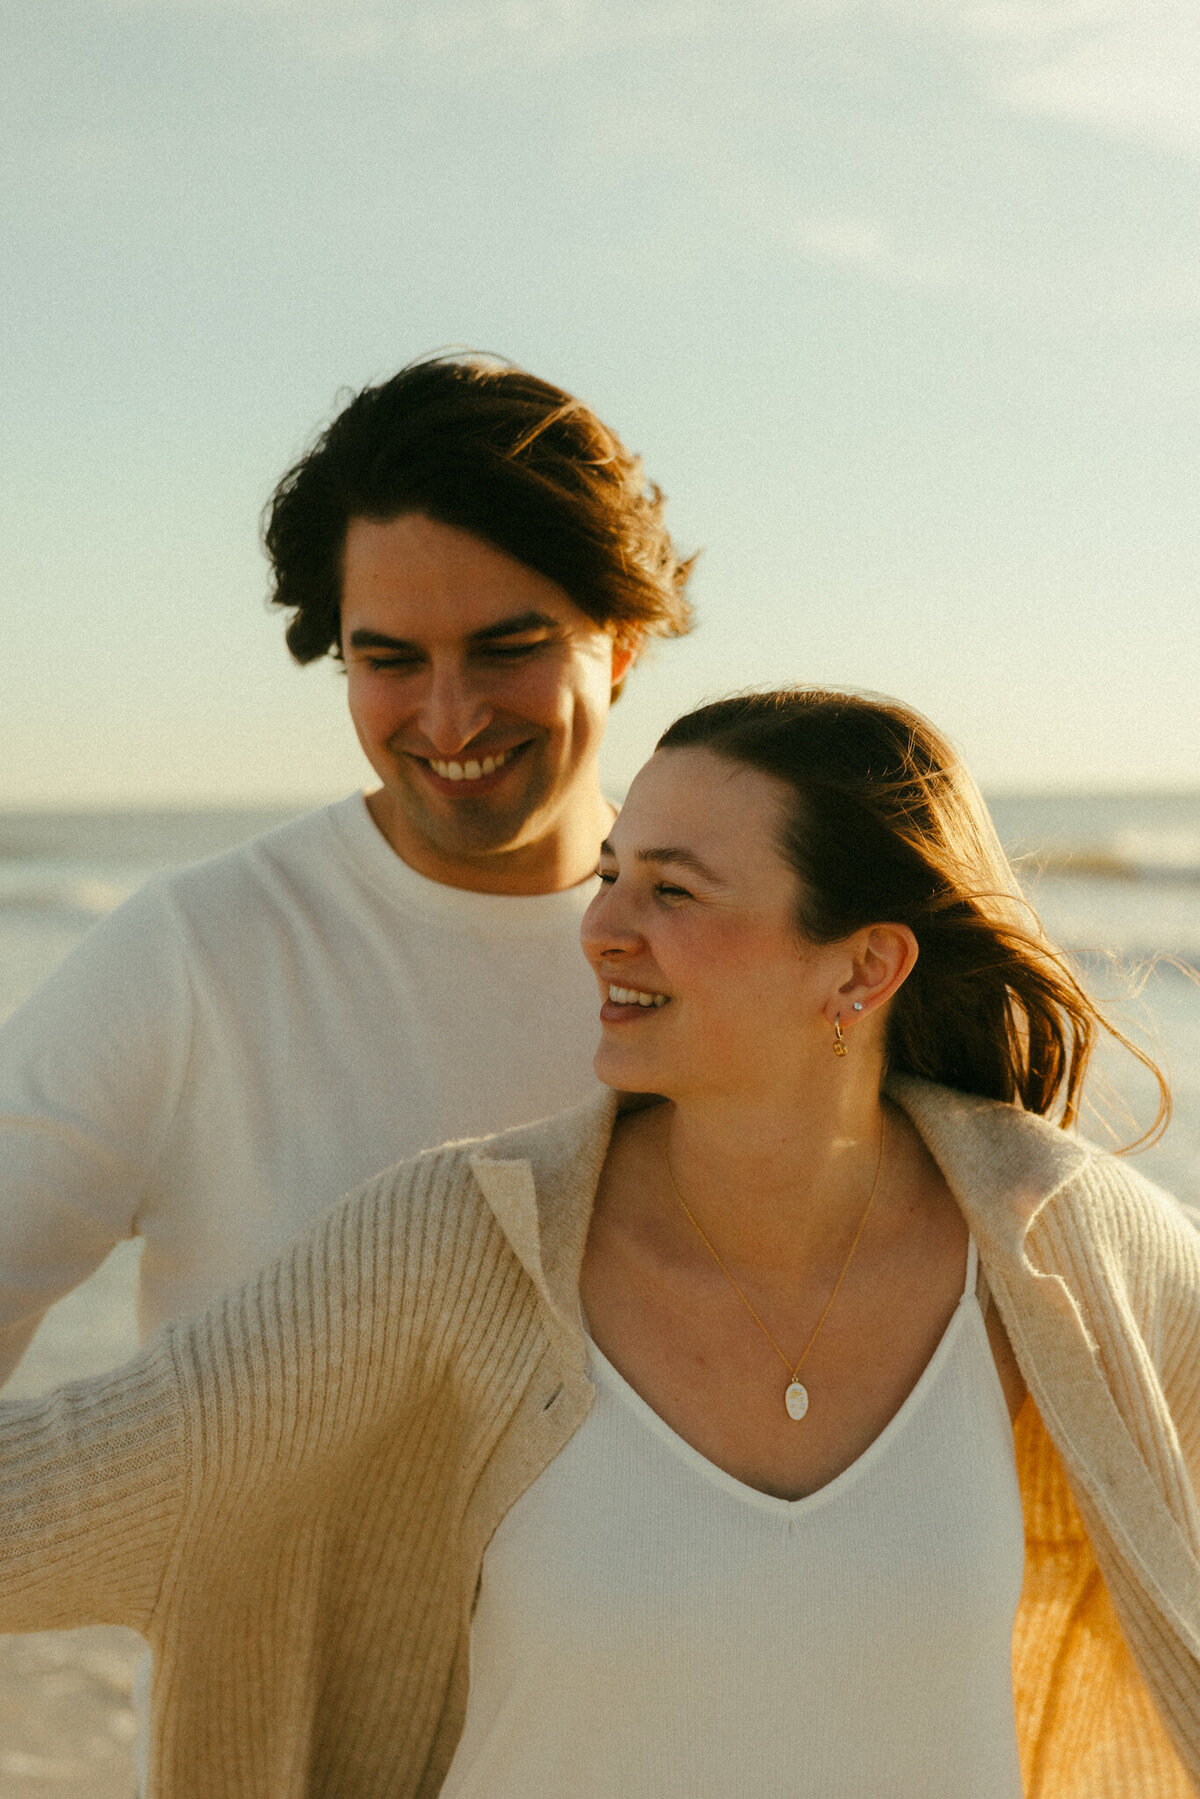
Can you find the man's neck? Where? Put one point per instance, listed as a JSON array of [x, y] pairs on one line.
[[553, 861]]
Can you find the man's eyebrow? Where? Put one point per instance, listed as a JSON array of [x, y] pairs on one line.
[[514, 627], [503, 627], [680, 858], [379, 640]]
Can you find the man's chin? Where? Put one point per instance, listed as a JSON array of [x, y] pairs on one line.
[[470, 847], [476, 829]]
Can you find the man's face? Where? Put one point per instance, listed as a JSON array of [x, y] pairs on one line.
[[479, 692]]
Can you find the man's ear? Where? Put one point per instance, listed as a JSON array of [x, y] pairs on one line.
[[626, 649]]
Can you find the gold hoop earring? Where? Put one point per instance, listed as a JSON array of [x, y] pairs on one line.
[[839, 1042]]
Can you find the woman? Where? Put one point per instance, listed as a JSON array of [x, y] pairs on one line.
[[665, 1447]]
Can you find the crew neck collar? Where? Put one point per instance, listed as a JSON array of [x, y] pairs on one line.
[[401, 884]]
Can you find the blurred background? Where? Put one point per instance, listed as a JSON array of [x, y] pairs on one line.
[[897, 298]]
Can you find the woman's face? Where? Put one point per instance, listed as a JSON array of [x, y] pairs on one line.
[[696, 915]]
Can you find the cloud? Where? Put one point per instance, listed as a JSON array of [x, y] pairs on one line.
[[546, 30], [1124, 67], [866, 246], [1129, 68], [549, 31], [1162, 294], [1133, 74]]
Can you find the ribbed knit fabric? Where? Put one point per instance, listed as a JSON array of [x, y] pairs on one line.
[[1089, 1729], [291, 1495]]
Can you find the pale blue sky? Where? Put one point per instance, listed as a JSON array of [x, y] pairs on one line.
[[899, 300]]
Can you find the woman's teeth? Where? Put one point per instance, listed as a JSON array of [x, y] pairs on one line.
[[469, 771], [630, 996]]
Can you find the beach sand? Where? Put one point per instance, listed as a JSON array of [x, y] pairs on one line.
[[66, 1722]]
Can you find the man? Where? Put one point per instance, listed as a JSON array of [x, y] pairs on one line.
[[245, 1040]]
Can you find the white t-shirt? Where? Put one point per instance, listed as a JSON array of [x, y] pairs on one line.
[[246, 1040], [649, 1627]]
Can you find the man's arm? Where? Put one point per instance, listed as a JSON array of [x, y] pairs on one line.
[[91, 1068]]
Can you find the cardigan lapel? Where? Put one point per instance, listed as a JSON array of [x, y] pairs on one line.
[[540, 1182], [1011, 1173], [1001, 1164], [1026, 1189]]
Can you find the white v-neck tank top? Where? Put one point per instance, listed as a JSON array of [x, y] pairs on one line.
[[648, 1627]]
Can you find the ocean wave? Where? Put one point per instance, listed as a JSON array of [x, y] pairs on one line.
[[63, 897], [1123, 885], [1128, 855], [1159, 855], [1138, 920]]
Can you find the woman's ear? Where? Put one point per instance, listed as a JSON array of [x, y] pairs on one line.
[[882, 957]]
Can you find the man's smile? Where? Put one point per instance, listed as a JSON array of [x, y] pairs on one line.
[[469, 770], [478, 772]]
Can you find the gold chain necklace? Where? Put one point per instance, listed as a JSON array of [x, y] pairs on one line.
[[795, 1399]]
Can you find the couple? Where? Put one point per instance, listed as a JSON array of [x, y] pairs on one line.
[[668, 1447]]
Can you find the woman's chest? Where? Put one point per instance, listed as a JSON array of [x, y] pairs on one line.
[[721, 1375], [647, 1624]]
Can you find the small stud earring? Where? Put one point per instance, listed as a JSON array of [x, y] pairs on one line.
[[839, 1042], [858, 1005]]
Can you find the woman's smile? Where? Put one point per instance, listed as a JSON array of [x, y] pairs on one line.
[[624, 1004], [695, 904]]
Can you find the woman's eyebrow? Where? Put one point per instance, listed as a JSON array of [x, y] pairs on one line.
[[680, 857]]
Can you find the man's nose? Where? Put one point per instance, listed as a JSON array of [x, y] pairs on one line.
[[453, 713]]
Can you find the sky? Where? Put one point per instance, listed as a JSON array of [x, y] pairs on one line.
[[898, 299]]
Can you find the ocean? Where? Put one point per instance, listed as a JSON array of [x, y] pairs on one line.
[[1116, 878]]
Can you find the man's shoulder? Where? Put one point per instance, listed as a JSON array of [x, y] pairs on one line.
[[297, 847], [555, 1149], [230, 911], [287, 869]]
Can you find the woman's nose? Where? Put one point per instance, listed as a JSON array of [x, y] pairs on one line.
[[608, 929]]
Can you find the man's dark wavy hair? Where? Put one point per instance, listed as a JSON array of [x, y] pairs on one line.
[[484, 446]]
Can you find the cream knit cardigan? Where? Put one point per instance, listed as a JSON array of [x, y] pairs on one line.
[[290, 1495]]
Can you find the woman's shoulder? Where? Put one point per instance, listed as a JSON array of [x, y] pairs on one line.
[[999, 1158]]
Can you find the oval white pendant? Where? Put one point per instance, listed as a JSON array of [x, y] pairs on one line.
[[796, 1400]]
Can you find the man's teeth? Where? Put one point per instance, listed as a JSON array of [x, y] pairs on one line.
[[469, 771], [631, 996]]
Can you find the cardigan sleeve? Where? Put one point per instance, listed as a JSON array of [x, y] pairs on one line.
[[117, 1490], [1176, 1330], [92, 1482]]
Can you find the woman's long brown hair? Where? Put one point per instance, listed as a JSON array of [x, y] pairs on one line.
[[886, 825]]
